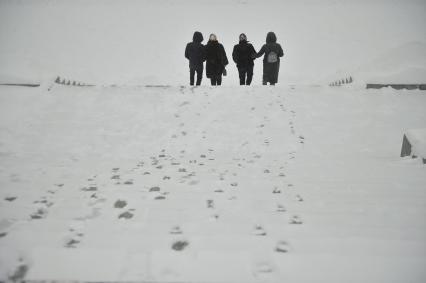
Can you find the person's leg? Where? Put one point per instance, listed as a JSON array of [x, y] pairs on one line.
[[191, 76], [241, 73], [213, 80], [249, 75], [265, 75], [219, 79], [199, 75]]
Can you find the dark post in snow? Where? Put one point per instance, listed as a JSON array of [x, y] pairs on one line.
[[406, 147]]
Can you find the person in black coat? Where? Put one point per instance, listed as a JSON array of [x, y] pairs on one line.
[[216, 60], [271, 60], [196, 54], [244, 55]]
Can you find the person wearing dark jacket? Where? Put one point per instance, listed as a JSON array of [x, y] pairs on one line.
[[195, 53], [216, 60], [271, 60], [244, 55]]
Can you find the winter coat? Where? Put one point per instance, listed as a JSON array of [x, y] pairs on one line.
[[244, 54], [216, 59], [195, 51], [270, 70]]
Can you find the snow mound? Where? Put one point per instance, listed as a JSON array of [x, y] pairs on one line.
[[417, 139]]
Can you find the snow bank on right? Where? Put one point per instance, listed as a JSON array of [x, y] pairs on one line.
[[417, 140]]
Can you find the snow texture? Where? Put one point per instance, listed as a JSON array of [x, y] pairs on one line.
[[210, 184], [294, 183]]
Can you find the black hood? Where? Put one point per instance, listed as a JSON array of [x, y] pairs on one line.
[[198, 37], [271, 37]]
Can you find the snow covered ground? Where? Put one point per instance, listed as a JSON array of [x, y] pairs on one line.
[[296, 183], [208, 184]]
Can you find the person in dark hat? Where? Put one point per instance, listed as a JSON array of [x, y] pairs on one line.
[[271, 61], [244, 55], [216, 60], [196, 54]]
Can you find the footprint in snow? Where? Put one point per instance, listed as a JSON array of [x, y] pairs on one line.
[[10, 199], [259, 231], [296, 220], [176, 230], [120, 203], [154, 189], [39, 214], [276, 191], [180, 245], [125, 215], [90, 188], [19, 273], [210, 203], [282, 247], [263, 267], [299, 198], [280, 208]]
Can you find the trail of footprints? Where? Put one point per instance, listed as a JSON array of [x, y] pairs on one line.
[[187, 174], [185, 169]]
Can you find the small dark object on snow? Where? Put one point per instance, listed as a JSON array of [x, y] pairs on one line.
[[180, 245], [406, 147], [115, 177], [120, 204], [160, 197], [129, 182], [3, 234]]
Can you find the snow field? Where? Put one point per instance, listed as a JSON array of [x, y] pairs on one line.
[[210, 185]]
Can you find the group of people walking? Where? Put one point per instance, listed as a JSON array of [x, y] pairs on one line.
[[243, 54]]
